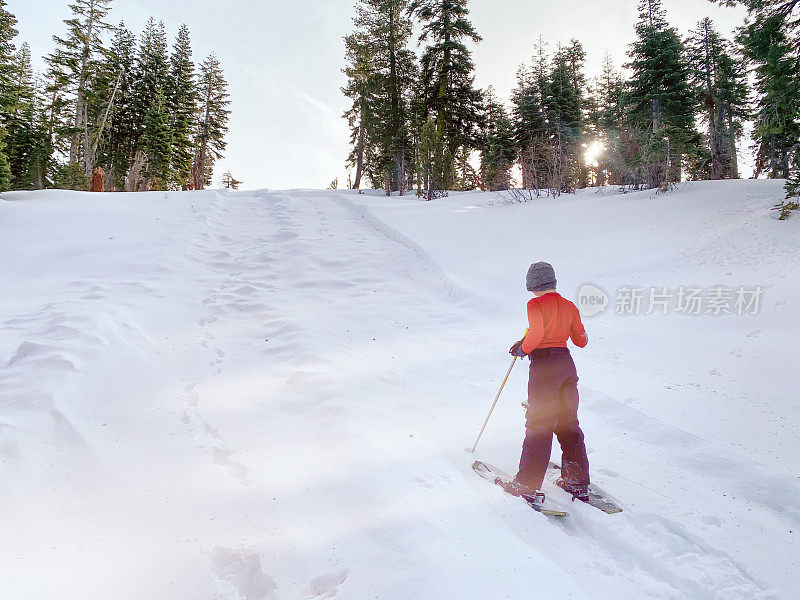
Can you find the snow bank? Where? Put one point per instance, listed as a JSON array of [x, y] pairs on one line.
[[267, 395]]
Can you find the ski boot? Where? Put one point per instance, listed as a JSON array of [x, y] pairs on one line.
[[515, 488], [578, 492]]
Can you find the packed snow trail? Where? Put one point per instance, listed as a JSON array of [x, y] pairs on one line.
[[222, 408], [267, 395]]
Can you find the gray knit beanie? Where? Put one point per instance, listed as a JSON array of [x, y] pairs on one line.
[[541, 276]]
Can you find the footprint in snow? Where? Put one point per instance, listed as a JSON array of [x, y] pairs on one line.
[[423, 483], [239, 571], [327, 586], [212, 431], [238, 470]]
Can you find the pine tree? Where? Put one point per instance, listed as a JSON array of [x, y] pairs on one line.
[[564, 105], [529, 114], [73, 66], [447, 80], [720, 81], [393, 30], [768, 45], [610, 90], [360, 70], [498, 152], [20, 120], [549, 108], [771, 42], [181, 101], [790, 9], [8, 70], [381, 73], [230, 182], [435, 162], [148, 107], [792, 200], [118, 146], [58, 112], [157, 143], [8, 64], [575, 57], [466, 178], [151, 70], [211, 121], [612, 168], [40, 171], [660, 106], [102, 94]]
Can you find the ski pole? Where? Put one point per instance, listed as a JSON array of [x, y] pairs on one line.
[[496, 398], [502, 385]]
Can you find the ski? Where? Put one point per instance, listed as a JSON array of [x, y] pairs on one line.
[[498, 477], [597, 497]]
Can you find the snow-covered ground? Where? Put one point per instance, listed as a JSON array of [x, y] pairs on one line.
[[268, 395]]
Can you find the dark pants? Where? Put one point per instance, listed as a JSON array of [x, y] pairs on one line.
[[552, 408]]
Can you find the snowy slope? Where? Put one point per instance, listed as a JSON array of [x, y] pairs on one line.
[[268, 395]]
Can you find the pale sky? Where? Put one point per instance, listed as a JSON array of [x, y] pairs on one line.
[[283, 61]]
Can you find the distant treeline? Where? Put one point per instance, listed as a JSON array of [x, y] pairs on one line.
[[121, 113], [676, 113]]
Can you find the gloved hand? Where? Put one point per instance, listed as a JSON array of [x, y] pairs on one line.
[[516, 350]]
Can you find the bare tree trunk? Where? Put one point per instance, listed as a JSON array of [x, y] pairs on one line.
[[200, 165], [91, 153], [734, 158], [79, 122], [134, 182], [400, 174], [110, 185], [359, 156], [200, 169]]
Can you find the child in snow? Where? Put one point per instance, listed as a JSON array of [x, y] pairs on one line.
[[552, 387]]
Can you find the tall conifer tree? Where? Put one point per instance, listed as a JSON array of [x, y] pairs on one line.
[[360, 71], [381, 73], [720, 81], [660, 105], [20, 120], [609, 87], [447, 86], [498, 151], [157, 138], [771, 43], [564, 106], [74, 64], [211, 121], [149, 107], [530, 114], [118, 147], [770, 46], [181, 98], [8, 69]]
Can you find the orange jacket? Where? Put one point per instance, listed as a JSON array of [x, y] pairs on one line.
[[551, 320]]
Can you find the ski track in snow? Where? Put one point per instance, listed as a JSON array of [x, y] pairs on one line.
[[274, 404]]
